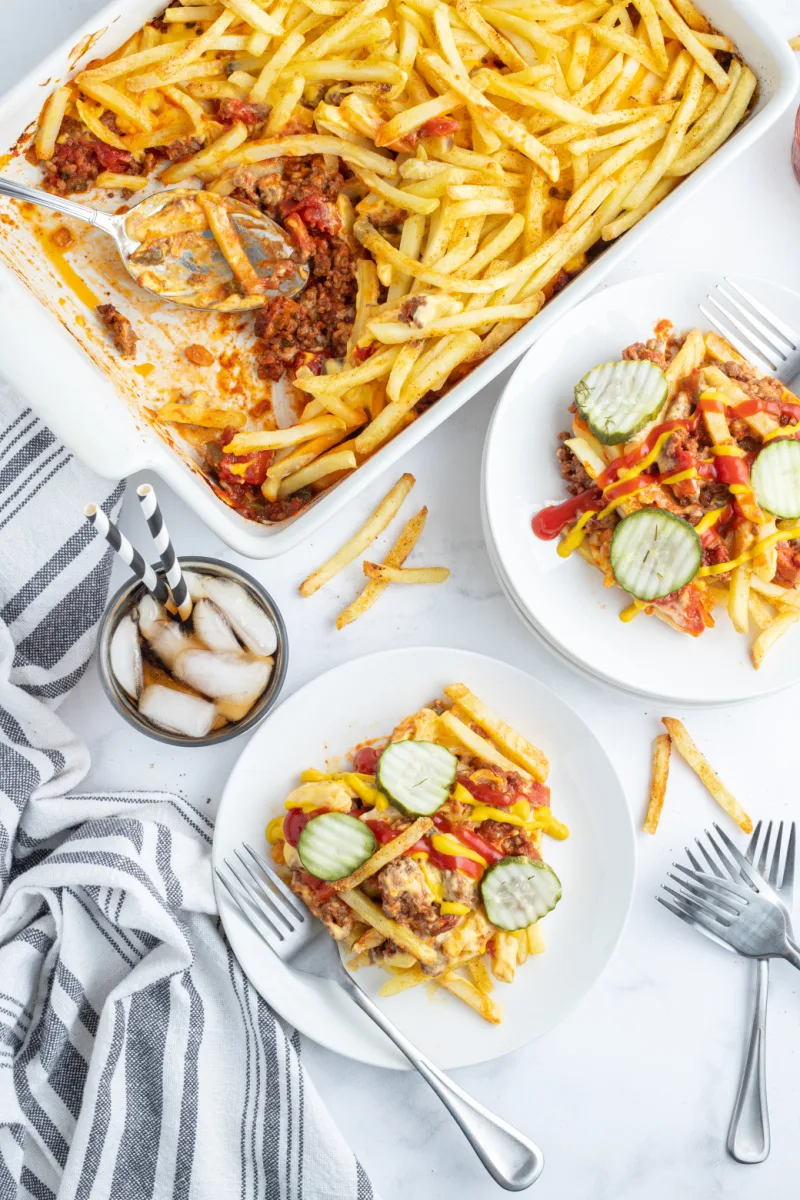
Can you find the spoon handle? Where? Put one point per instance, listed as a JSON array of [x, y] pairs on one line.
[[81, 212]]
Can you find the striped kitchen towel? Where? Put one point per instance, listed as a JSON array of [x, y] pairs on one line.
[[136, 1061]]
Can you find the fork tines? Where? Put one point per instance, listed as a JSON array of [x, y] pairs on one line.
[[713, 890], [262, 897], [755, 331]]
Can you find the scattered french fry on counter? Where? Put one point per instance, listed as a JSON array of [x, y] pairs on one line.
[[364, 537], [658, 782], [688, 750]]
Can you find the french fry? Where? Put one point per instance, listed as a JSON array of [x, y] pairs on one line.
[[367, 941], [229, 242], [405, 574], [476, 969], [199, 414], [504, 956], [688, 751], [521, 752], [477, 745], [274, 439], [703, 57], [111, 180], [364, 537], [50, 124], [385, 854], [536, 943], [658, 782], [395, 558], [466, 991], [372, 915], [769, 636], [403, 980], [327, 464]]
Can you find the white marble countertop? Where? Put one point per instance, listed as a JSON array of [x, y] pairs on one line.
[[630, 1097]]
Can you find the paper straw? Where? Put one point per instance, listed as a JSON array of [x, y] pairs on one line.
[[129, 555], [166, 551]]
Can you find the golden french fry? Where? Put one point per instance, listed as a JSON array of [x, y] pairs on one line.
[[522, 752], [476, 969], [199, 414], [536, 943], [274, 439], [403, 980], [688, 750], [395, 558], [50, 124], [658, 782], [769, 636], [466, 991], [371, 914], [364, 537], [476, 744], [504, 956], [405, 574]]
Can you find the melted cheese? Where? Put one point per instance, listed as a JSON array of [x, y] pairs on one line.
[[452, 908]]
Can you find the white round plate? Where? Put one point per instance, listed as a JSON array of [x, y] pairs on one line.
[[364, 699], [564, 598]]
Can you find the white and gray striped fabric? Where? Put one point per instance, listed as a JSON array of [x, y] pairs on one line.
[[136, 1061]]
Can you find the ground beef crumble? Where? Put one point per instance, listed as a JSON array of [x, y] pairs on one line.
[[120, 328], [301, 195]]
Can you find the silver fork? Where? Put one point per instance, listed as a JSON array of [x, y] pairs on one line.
[[286, 926], [748, 1134], [756, 332], [746, 916]]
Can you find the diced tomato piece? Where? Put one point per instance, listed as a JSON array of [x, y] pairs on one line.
[[118, 161]]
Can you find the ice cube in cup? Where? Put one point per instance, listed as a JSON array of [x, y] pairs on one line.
[[212, 627], [249, 621], [125, 656], [226, 674], [177, 712], [166, 638]]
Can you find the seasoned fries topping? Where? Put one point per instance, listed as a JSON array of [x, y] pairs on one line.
[[414, 905], [441, 170]]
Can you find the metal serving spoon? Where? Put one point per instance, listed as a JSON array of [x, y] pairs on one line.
[[187, 278]]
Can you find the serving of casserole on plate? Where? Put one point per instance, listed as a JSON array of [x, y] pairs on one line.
[[712, 554], [392, 907], [443, 170]]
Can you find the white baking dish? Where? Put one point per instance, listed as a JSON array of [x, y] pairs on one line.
[[88, 401]]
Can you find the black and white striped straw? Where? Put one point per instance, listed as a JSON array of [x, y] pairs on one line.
[[128, 553], [166, 551]]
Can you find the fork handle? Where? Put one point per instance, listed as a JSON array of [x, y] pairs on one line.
[[510, 1158], [748, 1135]]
